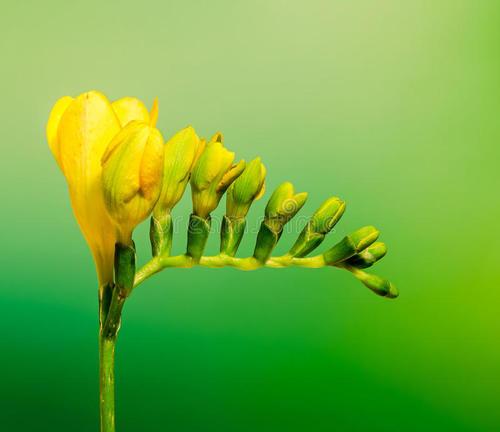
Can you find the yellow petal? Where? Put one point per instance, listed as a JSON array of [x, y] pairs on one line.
[[261, 192], [201, 148], [214, 162], [154, 113], [217, 137], [263, 184], [151, 171], [85, 129], [53, 124], [130, 108], [230, 176]]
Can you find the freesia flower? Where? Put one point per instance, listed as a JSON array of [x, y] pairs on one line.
[[78, 132]]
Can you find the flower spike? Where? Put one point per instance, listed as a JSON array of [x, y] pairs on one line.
[[119, 171]]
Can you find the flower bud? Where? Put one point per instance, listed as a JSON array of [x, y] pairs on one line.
[[132, 171], [369, 256], [351, 245], [283, 205], [212, 175], [377, 284], [322, 222], [247, 188], [326, 217], [181, 154]]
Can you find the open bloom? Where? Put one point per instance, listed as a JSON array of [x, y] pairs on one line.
[[78, 132]]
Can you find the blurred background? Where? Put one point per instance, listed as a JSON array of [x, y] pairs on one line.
[[393, 106]]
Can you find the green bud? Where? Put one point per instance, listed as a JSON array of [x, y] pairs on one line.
[[212, 175], [132, 169], [351, 245], [283, 205], [369, 256], [182, 151], [377, 284], [198, 231], [364, 237], [321, 223], [327, 216], [247, 188]]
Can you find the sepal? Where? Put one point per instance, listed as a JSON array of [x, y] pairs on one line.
[[124, 268], [198, 231], [232, 231], [267, 238], [160, 234], [351, 245]]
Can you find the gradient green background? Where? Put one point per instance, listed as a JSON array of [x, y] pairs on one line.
[[392, 105]]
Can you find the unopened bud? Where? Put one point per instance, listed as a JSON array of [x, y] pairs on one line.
[[377, 284], [132, 168], [327, 216], [369, 256], [212, 175], [181, 154], [283, 205], [351, 245], [247, 188], [321, 223]]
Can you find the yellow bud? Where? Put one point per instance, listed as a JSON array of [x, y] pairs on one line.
[[284, 204], [212, 175], [181, 154], [247, 188], [132, 170]]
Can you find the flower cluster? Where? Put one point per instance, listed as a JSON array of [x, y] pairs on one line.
[[120, 171]]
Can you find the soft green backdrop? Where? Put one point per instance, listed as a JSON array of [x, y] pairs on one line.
[[393, 105]]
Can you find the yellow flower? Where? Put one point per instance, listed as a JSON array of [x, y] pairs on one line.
[[213, 174], [78, 132], [182, 151], [131, 177]]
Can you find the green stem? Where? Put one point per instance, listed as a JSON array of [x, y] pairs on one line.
[[107, 382], [183, 261]]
